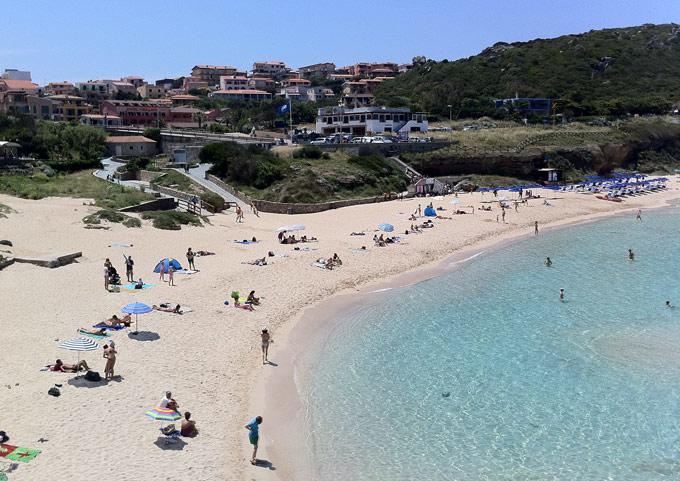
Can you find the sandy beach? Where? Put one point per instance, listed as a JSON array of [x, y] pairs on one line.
[[209, 358]]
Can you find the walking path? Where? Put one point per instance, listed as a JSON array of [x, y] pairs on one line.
[[197, 174]]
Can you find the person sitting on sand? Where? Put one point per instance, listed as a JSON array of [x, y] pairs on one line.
[[168, 402], [139, 284], [262, 261], [166, 308], [336, 260], [247, 306], [96, 332], [115, 321], [59, 366], [252, 299], [328, 263], [188, 428], [413, 217]]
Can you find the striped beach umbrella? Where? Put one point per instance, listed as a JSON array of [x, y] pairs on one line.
[[136, 308], [79, 344], [162, 414]]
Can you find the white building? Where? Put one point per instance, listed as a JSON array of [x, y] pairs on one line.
[[369, 120], [233, 82], [307, 94], [14, 74], [97, 120]]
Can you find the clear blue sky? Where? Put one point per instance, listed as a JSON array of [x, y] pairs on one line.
[[109, 39]]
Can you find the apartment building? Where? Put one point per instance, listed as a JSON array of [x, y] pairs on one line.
[[212, 73], [69, 108], [149, 91], [98, 120], [359, 93], [135, 80], [196, 83], [95, 90], [59, 88], [272, 69], [14, 74], [261, 83], [232, 82], [295, 82], [318, 70], [306, 94], [249, 94], [13, 95], [369, 120], [138, 112]]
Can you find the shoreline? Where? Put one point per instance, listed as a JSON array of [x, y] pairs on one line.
[[278, 393], [210, 358]]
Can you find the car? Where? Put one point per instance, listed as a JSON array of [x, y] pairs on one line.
[[359, 140], [319, 141], [380, 140]]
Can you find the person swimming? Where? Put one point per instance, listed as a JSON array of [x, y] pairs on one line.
[[562, 295], [548, 262], [631, 255]]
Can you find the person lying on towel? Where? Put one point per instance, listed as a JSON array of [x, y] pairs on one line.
[[166, 308]]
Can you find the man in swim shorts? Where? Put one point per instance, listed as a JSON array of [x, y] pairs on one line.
[[254, 436]]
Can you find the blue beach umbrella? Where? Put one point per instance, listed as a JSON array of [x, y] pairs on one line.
[[386, 227], [136, 308]]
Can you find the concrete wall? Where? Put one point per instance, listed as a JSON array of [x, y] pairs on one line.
[[385, 149], [164, 203]]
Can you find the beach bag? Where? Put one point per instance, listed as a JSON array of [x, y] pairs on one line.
[[92, 376], [54, 391]]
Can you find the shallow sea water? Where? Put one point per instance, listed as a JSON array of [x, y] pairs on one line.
[[483, 374]]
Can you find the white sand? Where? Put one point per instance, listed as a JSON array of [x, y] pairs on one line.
[[210, 358]]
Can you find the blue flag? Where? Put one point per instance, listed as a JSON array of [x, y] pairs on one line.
[[284, 109]]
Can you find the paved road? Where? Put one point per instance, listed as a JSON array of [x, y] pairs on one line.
[[109, 168]]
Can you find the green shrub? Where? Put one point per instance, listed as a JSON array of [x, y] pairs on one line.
[[171, 219], [215, 200], [113, 216], [308, 152]]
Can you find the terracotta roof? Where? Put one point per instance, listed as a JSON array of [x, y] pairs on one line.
[[221, 67], [60, 84], [187, 110], [19, 84], [244, 91], [129, 139], [183, 97]]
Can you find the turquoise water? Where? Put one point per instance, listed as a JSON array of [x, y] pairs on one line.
[[587, 389]]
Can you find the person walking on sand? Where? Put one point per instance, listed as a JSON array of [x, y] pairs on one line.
[[631, 255], [536, 227], [190, 259], [266, 340], [254, 436], [129, 268], [239, 213], [561, 295], [171, 275], [503, 214], [639, 215], [106, 278], [419, 211], [110, 356], [253, 209], [161, 271]]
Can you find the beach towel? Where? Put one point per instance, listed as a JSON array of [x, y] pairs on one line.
[[120, 244], [94, 336], [13, 453], [355, 249], [305, 249], [320, 265], [101, 325], [184, 309], [186, 271], [245, 242], [130, 286]]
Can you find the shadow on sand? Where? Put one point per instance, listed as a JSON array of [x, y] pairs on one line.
[[144, 336], [177, 445], [264, 463]]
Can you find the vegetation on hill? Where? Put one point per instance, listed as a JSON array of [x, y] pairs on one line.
[[65, 147], [307, 176], [80, 184], [110, 215], [171, 219], [601, 72], [176, 180]]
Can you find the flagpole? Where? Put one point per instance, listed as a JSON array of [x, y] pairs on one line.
[[290, 114]]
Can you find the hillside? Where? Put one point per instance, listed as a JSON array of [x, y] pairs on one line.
[[601, 72]]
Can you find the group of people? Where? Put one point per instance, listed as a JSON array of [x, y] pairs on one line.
[[382, 241], [284, 239], [188, 427]]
